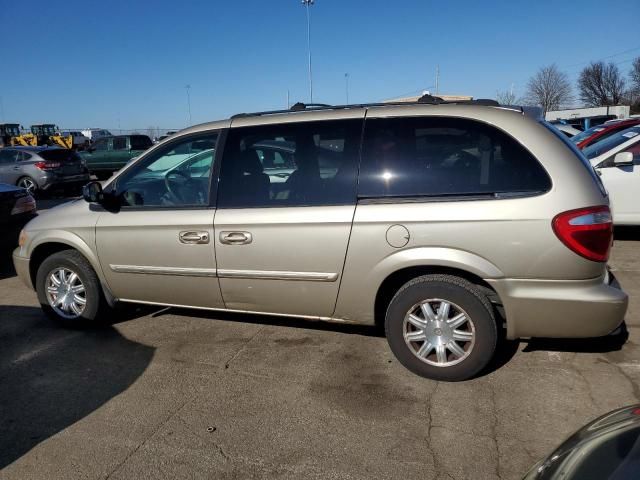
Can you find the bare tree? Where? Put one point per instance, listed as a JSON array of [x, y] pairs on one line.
[[601, 84], [507, 97], [634, 76], [549, 88]]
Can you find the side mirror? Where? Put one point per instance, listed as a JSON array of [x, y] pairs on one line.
[[623, 159], [92, 192]]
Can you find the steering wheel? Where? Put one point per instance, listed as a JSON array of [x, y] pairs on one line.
[[176, 183]]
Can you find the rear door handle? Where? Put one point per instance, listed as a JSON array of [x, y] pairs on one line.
[[193, 237], [235, 238]]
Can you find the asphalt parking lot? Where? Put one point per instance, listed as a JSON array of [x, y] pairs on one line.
[[168, 393]]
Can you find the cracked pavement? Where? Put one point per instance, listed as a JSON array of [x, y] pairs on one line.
[[167, 393]]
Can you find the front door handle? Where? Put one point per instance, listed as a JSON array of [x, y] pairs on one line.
[[235, 238], [193, 237]]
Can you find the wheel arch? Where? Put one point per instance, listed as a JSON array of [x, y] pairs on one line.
[[58, 242], [395, 280]]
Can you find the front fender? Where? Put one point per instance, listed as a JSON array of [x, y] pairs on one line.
[[43, 237]]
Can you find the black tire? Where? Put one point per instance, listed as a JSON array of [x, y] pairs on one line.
[[95, 308], [22, 180], [463, 294]]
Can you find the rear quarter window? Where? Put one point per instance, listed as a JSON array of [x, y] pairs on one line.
[[436, 156]]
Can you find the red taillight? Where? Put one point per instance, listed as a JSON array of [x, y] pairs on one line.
[[47, 165], [586, 231]]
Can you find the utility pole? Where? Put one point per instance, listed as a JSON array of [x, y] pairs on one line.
[[307, 4], [288, 101], [437, 78], [346, 86], [2, 109], [188, 88]]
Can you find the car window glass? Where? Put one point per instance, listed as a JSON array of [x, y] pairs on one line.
[[176, 175], [100, 144], [24, 156], [119, 143], [8, 156], [140, 143], [633, 149], [295, 164], [611, 141], [431, 156]]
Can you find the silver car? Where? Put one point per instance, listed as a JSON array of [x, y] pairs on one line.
[[40, 169], [446, 223]]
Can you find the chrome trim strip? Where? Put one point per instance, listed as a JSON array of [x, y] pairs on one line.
[[178, 271], [250, 312], [278, 275]]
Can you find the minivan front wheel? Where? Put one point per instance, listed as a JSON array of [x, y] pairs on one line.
[[441, 327], [69, 290]]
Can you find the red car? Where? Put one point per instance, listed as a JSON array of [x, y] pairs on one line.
[[600, 132]]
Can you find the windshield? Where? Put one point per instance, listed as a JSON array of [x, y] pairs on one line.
[[586, 134], [603, 146]]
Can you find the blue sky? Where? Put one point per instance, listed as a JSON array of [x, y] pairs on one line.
[[126, 65]]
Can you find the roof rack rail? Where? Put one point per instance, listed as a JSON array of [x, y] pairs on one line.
[[423, 100]]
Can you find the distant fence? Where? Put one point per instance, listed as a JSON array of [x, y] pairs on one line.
[[153, 132]]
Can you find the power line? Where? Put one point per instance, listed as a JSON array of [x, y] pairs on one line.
[[603, 58]]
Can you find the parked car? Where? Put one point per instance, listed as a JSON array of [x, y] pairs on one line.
[[17, 207], [443, 222], [39, 169], [600, 132], [94, 134], [606, 448], [568, 130], [617, 160], [80, 141], [109, 154]]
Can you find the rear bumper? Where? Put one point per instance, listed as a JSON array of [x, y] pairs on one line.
[[58, 181], [21, 264], [562, 308]]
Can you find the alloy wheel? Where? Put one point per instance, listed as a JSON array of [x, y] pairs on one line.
[[439, 332]]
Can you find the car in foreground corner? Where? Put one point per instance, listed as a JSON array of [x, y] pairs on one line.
[[608, 448], [17, 207]]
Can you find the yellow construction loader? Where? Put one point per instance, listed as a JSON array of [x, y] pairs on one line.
[[48, 134], [7, 132]]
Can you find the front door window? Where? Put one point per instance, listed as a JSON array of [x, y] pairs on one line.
[[175, 175]]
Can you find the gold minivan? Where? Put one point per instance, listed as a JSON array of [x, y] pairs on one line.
[[446, 223]]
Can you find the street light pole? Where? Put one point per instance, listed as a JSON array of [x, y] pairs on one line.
[[346, 86], [307, 4], [187, 88]]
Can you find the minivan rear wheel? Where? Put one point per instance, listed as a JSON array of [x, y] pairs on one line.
[[69, 290], [441, 327]]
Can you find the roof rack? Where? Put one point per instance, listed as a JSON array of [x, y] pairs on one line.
[[423, 100]]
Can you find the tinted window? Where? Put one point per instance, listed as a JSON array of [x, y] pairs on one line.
[[100, 144], [8, 156], [178, 174], [430, 156], [297, 164], [60, 155], [140, 142], [119, 143]]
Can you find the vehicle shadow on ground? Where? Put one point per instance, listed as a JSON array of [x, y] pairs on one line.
[[610, 343], [51, 377], [626, 233], [6, 264]]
